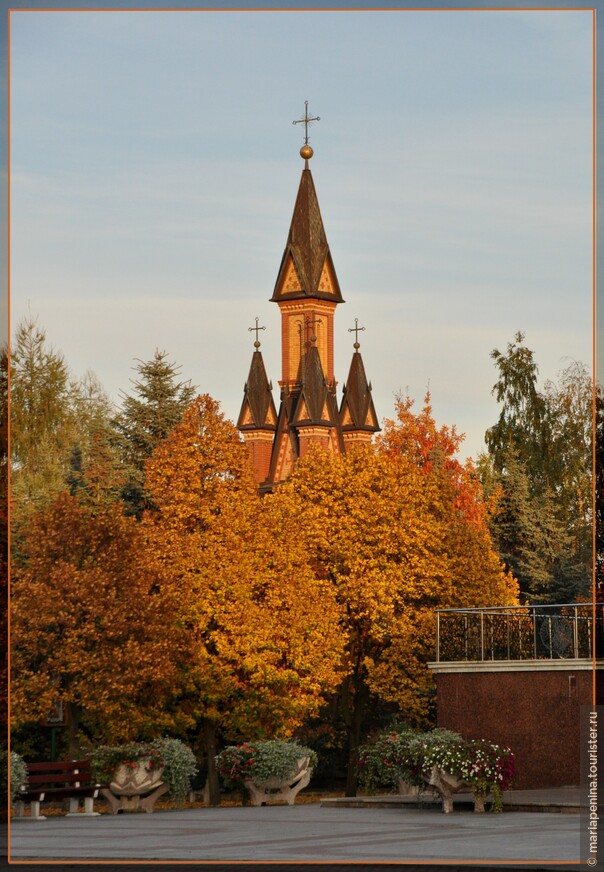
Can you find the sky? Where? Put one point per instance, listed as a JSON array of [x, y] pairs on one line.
[[154, 168]]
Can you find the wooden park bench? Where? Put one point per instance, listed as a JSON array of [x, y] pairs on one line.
[[63, 779]]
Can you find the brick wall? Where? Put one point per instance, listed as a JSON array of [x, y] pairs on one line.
[[533, 711]]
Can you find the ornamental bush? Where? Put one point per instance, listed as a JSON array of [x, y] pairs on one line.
[[442, 748], [260, 761], [13, 774], [173, 756], [105, 760], [180, 766], [384, 760], [399, 753]]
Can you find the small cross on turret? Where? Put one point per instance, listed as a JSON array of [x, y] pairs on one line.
[[306, 151], [257, 329], [356, 330]]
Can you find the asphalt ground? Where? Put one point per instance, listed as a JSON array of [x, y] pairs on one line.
[[305, 833]]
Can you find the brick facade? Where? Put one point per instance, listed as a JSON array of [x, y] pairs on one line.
[[533, 707]]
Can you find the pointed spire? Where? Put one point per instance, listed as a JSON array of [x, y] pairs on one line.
[[258, 408], [313, 395], [307, 252], [357, 411]]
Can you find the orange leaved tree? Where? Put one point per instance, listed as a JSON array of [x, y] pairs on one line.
[[263, 642], [386, 537], [474, 569], [92, 624]]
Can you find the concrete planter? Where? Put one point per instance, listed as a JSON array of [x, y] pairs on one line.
[[278, 789], [407, 789], [446, 785], [131, 784]]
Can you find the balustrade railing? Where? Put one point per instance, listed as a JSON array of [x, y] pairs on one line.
[[531, 632]]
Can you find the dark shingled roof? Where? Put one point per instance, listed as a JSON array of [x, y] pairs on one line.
[[357, 399], [307, 245], [314, 388], [257, 398]]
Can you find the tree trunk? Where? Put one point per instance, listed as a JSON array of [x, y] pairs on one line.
[[209, 734], [351, 769], [73, 718], [353, 705]]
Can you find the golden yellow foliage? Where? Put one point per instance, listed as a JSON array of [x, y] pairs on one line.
[[391, 538], [263, 640]]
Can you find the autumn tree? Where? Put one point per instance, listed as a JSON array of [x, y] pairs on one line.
[[263, 642], [42, 419], [147, 416], [4, 540], [599, 491], [92, 624], [463, 507], [379, 530], [56, 422]]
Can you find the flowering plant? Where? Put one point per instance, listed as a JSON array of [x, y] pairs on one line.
[[384, 760], [106, 759], [234, 764], [489, 767], [442, 748], [403, 754], [172, 756], [260, 761]]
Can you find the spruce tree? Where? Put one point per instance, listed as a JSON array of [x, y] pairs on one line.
[[148, 416]]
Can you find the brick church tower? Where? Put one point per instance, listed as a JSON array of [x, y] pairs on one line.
[[307, 293]]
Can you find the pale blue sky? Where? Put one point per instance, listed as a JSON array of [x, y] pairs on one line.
[[154, 168]]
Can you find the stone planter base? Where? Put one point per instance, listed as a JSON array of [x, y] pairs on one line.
[[276, 790], [406, 789], [446, 785], [134, 789]]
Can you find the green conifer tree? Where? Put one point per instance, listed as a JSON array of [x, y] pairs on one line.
[[148, 415]]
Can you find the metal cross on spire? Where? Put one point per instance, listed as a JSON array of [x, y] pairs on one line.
[[306, 121], [257, 329], [356, 330]]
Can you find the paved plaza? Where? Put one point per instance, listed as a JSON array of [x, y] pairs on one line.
[[305, 832]]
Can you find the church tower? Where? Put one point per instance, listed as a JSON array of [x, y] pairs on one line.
[[307, 292]]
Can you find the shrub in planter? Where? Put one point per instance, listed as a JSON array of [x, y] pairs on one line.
[[13, 774], [384, 759], [442, 748], [440, 757], [261, 762], [180, 766], [481, 765], [489, 767], [175, 760]]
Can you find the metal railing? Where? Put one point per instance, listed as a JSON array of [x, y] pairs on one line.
[[531, 632]]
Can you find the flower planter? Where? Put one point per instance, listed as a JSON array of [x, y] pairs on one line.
[[131, 783], [446, 785], [405, 788], [278, 789]]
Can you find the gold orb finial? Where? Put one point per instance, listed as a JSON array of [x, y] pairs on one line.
[[306, 151]]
